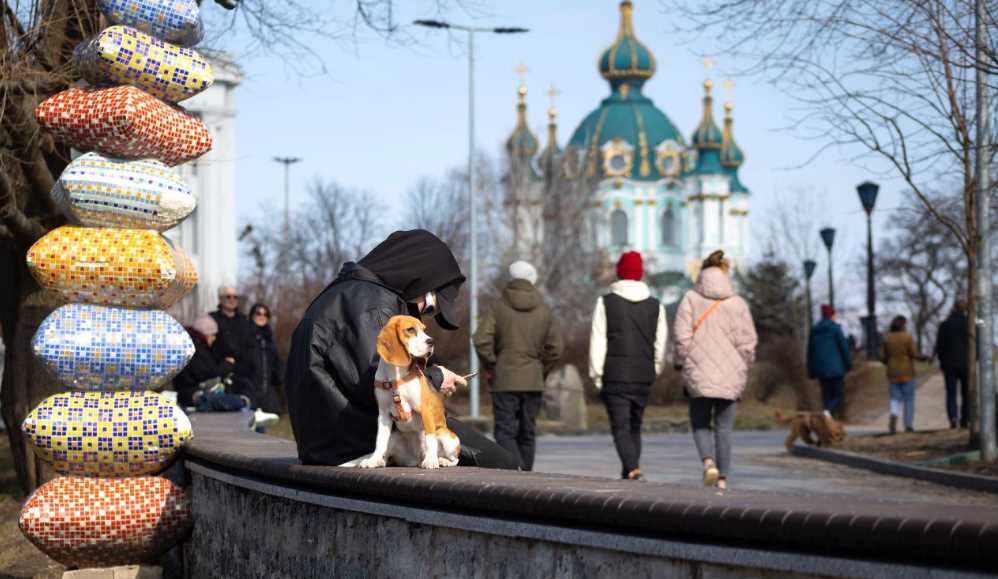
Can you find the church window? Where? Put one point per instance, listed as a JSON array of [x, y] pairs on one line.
[[618, 227], [669, 227]]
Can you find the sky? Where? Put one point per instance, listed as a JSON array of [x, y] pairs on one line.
[[385, 115]]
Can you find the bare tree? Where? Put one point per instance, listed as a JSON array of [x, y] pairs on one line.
[[37, 38], [895, 77], [334, 226]]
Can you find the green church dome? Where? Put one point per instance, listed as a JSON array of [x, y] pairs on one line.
[[707, 135], [622, 136], [731, 154], [522, 142]]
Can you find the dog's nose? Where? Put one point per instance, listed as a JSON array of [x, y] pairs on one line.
[[429, 341]]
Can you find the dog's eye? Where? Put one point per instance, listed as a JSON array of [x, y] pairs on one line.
[[410, 330]]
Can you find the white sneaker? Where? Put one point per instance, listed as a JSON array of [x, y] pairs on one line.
[[263, 419], [710, 475]]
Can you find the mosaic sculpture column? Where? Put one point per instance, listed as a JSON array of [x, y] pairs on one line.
[[112, 345]]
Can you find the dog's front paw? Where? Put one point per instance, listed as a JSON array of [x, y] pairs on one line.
[[372, 462], [429, 463], [445, 462]]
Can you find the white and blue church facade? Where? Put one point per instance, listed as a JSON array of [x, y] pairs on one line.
[[673, 199]]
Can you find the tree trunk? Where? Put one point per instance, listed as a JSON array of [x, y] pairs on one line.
[[26, 381]]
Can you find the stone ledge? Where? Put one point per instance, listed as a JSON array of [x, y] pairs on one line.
[[958, 480], [881, 530]]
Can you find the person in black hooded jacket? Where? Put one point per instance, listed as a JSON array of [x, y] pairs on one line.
[[329, 379]]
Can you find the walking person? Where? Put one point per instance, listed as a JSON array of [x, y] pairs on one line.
[[953, 353], [518, 342], [899, 354], [237, 340], [626, 353], [829, 359], [715, 342], [268, 361]]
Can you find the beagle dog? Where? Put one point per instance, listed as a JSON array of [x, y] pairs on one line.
[[412, 428]]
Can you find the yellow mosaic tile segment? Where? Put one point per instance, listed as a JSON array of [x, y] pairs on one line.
[[136, 268]]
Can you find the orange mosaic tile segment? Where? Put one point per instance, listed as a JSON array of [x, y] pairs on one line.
[[92, 522]]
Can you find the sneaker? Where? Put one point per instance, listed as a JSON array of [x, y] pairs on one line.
[[892, 426], [636, 475], [721, 486], [710, 474], [909, 429], [263, 419]]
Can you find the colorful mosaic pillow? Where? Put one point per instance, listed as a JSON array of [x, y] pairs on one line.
[[134, 268], [124, 55], [95, 522], [176, 21], [101, 348], [126, 122], [100, 191], [107, 434]]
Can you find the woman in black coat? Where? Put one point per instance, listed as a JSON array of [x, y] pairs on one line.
[[203, 367], [268, 361]]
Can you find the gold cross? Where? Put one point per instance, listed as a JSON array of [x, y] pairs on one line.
[[522, 70], [552, 93]]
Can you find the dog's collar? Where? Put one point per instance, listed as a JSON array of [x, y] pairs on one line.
[[414, 372]]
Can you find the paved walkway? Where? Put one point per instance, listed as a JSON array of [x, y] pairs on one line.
[[930, 408], [760, 463]]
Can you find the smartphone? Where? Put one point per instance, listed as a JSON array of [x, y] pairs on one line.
[[470, 376]]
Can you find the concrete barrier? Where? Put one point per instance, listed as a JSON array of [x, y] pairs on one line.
[[258, 513]]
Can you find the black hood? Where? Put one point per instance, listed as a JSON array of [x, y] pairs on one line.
[[414, 263]]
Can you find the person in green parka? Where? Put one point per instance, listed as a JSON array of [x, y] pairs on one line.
[[518, 343]]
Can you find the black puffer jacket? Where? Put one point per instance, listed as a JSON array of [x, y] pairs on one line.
[[331, 365]]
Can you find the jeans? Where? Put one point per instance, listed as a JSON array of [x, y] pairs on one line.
[[952, 377], [477, 450], [515, 423], [717, 444], [625, 407], [832, 390], [904, 393]]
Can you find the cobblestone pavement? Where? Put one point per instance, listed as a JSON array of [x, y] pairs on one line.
[[760, 463]]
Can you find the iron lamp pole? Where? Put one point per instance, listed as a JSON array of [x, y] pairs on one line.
[[287, 162], [473, 220], [868, 197], [809, 267], [828, 238]]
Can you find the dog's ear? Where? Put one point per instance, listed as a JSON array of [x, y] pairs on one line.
[[390, 346]]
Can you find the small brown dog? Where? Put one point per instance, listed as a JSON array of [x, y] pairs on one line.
[[803, 424]]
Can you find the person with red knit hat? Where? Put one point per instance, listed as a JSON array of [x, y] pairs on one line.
[[626, 353], [828, 358]]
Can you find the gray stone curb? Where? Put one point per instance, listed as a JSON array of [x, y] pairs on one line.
[[953, 479]]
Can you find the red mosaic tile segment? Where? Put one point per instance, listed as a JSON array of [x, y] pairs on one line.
[[90, 522], [124, 121]]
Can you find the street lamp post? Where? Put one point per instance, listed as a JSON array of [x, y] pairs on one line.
[[472, 220], [828, 238], [809, 266], [868, 197], [287, 162]]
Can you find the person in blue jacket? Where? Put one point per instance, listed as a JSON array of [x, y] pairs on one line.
[[828, 358]]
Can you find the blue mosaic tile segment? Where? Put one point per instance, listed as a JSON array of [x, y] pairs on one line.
[[91, 347], [175, 21]]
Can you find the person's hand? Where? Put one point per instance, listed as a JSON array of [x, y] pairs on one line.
[[451, 382], [230, 359]]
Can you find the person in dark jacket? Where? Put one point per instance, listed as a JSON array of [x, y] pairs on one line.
[[626, 352], [330, 370], [953, 354], [267, 360], [828, 358], [204, 370], [519, 343], [237, 340]]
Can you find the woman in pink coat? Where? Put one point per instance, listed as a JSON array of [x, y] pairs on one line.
[[715, 347]]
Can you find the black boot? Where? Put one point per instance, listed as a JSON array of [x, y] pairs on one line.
[[893, 425]]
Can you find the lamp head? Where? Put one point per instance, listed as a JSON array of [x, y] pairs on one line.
[[868, 195], [809, 266], [431, 23], [828, 237]]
